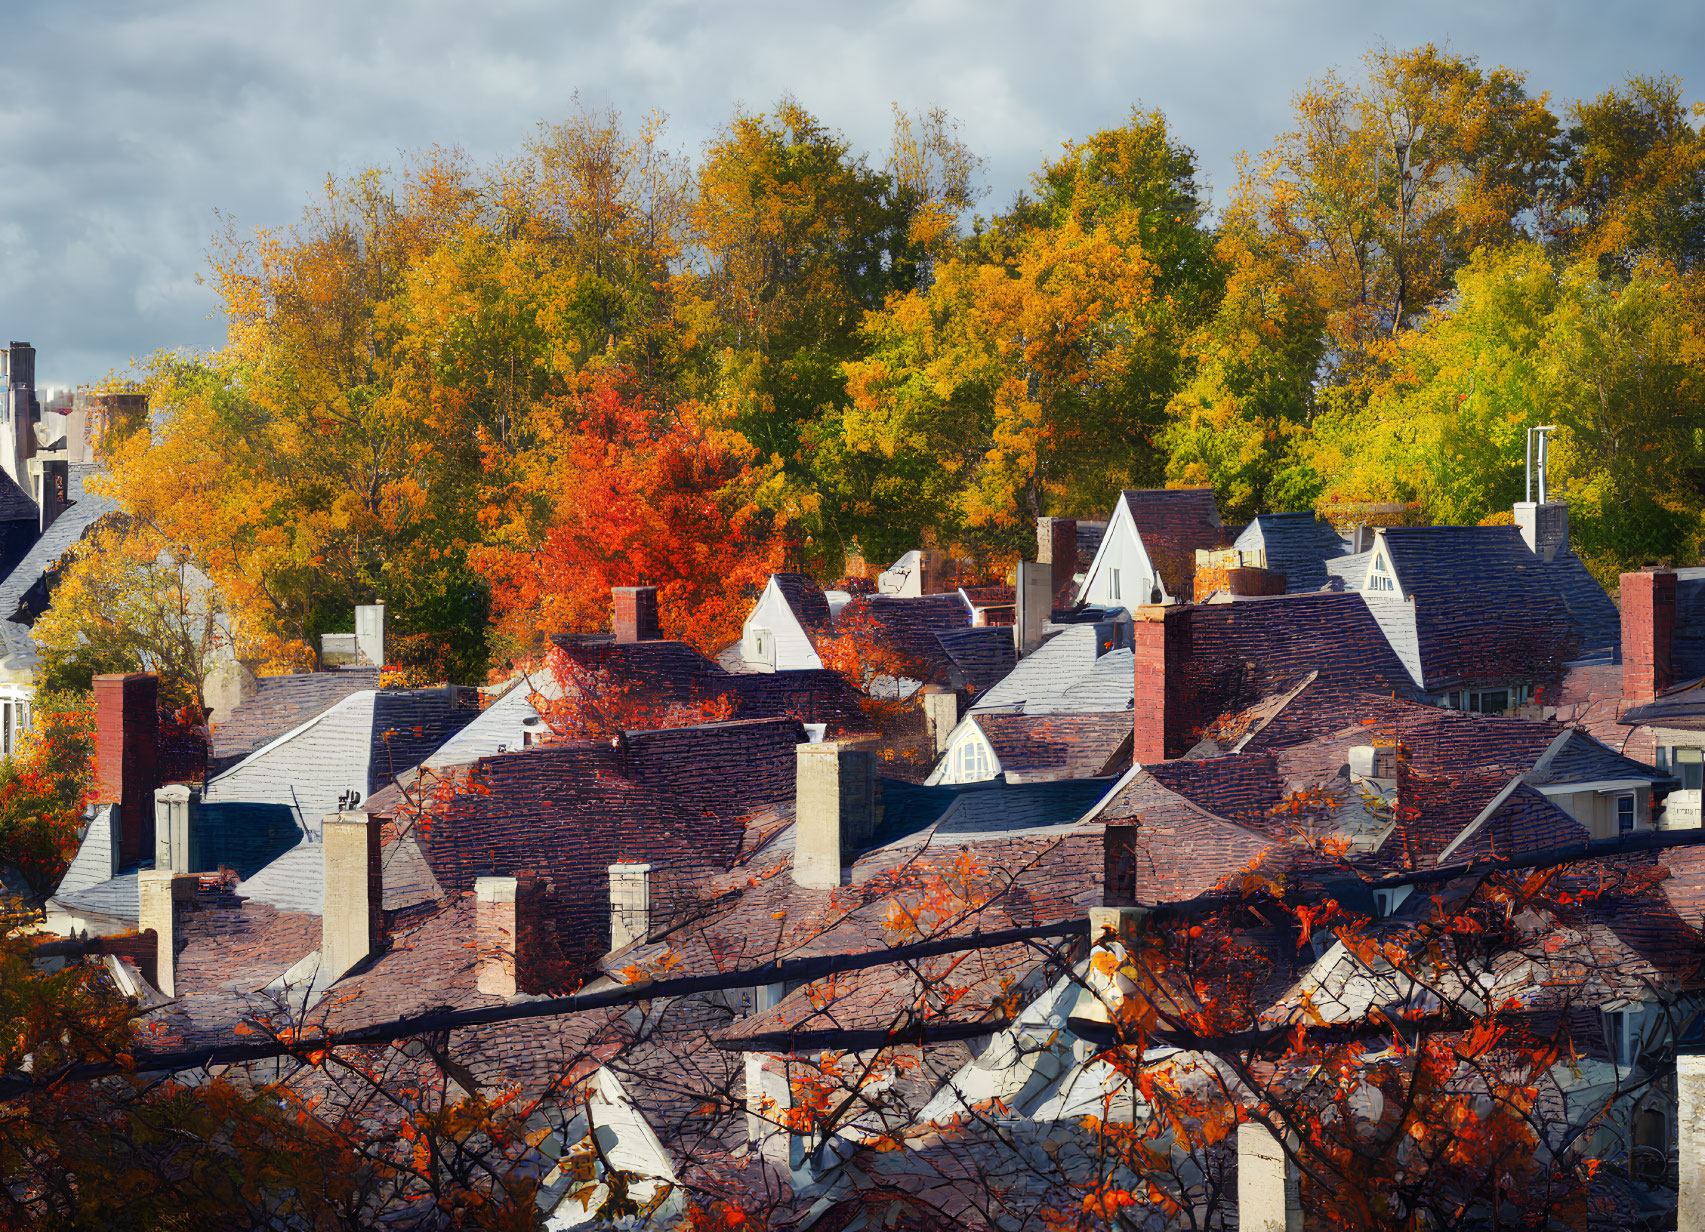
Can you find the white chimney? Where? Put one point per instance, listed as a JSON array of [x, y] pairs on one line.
[[835, 810], [354, 881], [370, 635], [1269, 1189], [630, 904], [768, 1098], [175, 847], [1035, 596], [1690, 1140]]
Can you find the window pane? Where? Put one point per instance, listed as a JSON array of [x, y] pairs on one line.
[[1625, 814], [1692, 775]]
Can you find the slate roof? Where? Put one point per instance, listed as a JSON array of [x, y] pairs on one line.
[[908, 625], [1298, 545], [1179, 849], [1074, 671], [67, 531], [1485, 609], [15, 503], [1681, 705], [981, 655], [810, 606], [1035, 747], [1174, 523], [282, 704]]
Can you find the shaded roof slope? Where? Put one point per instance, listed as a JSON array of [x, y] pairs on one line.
[[1297, 545]]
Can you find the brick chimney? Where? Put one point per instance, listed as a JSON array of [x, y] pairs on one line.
[[354, 885], [506, 913], [835, 813], [630, 903], [160, 898], [635, 614], [1648, 628], [1160, 635], [1056, 545], [127, 731]]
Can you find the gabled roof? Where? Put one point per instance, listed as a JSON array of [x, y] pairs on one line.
[[1681, 705], [281, 704], [908, 625], [1298, 545], [1181, 850], [806, 598], [15, 503], [1037, 747], [1174, 523], [1484, 608], [66, 532], [982, 655], [1074, 671]]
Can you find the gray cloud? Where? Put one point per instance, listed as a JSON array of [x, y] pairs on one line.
[[123, 127]]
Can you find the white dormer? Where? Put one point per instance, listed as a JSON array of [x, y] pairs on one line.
[[1381, 576], [968, 757], [1121, 575], [772, 639]]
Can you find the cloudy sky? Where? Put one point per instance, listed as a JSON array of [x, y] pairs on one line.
[[128, 130]]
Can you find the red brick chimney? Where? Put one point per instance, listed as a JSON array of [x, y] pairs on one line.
[[127, 734], [636, 614], [1161, 638], [1648, 628]]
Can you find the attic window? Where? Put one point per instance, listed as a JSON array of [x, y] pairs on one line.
[[1113, 583], [975, 763], [1622, 1035]]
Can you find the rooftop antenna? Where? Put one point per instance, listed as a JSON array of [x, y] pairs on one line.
[[1543, 454]]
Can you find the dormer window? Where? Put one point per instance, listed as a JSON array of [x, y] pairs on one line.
[[1380, 578], [975, 764]]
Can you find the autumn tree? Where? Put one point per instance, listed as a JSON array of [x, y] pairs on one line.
[[1029, 377], [44, 791]]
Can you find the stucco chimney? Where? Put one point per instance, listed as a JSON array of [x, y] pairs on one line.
[[1544, 528], [941, 714], [505, 920], [769, 1095], [1160, 638], [160, 896], [835, 811], [1269, 1190], [1690, 1140], [370, 635], [354, 884], [175, 846], [1035, 595], [635, 618], [127, 734], [630, 903], [1648, 629]]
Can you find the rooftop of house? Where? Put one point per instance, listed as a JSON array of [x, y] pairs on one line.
[[809, 604], [1298, 545], [981, 656], [1036, 747], [282, 704], [1174, 523], [1077, 670], [15, 503], [67, 530]]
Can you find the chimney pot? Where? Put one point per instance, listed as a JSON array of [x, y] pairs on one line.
[[835, 812], [635, 618], [354, 888], [175, 845]]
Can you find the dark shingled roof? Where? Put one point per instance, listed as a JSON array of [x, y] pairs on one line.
[[15, 503], [982, 655], [806, 598], [1174, 523], [1297, 545], [66, 532], [908, 625], [1486, 610], [281, 704], [1038, 747], [1687, 646]]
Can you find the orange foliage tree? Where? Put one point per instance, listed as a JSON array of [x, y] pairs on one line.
[[633, 495]]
